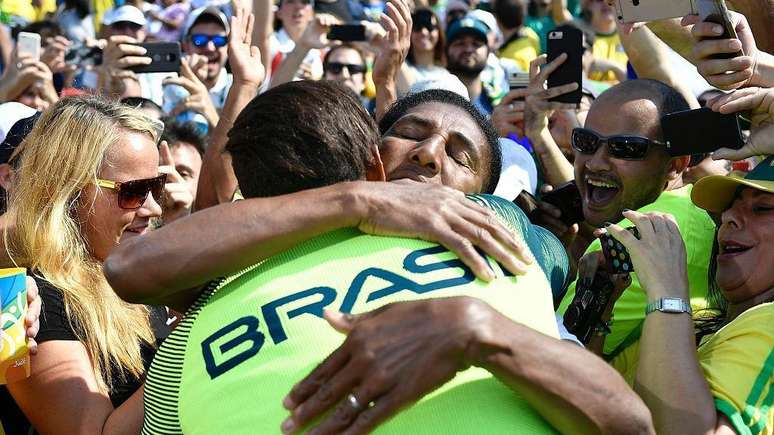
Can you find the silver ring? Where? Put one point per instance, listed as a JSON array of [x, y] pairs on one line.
[[510, 106], [19, 65], [353, 401]]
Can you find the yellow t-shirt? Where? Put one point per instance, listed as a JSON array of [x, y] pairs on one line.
[[522, 48], [608, 47], [738, 363]]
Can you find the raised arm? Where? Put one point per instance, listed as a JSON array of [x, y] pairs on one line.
[[217, 182], [392, 49], [559, 12], [179, 258], [315, 36], [264, 13]]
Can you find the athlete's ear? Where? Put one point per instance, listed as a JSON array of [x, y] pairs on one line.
[[375, 171]]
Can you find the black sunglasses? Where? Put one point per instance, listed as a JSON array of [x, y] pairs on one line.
[[132, 194], [422, 20], [623, 147], [338, 67]]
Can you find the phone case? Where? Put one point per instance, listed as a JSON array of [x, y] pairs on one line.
[[616, 256], [29, 44], [347, 32], [165, 57], [567, 199], [570, 41], [715, 11], [633, 11], [700, 131]]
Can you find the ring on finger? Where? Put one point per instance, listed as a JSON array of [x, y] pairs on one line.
[[352, 400], [19, 65], [510, 106]]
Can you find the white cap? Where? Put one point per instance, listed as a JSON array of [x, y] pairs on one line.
[[127, 13], [10, 114], [449, 83], [195, 14], [489, 20], [519, 171]]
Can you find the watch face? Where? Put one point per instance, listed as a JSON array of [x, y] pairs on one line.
[[672, 305]]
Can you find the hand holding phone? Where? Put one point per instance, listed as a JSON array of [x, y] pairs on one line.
[[28, 44], [568, 200], [617, 258], [701, 131], [165, 57], [347, 32]]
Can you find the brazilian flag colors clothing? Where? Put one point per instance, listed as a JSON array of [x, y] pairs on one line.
[[698, 231], [738, 362], [247, 341]]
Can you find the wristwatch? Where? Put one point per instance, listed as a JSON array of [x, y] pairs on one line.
[[669, 305]]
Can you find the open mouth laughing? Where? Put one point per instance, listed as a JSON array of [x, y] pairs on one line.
[[600, 191]]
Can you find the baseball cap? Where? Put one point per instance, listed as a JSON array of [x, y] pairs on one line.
[[448, 82], [196, 14], [126, 13], [715, 193], [467, 26], [16, 121]]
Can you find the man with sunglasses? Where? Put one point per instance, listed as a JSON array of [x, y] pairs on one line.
[[345, 64], [621, 163]]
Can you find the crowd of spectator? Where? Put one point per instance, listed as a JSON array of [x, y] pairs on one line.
[[408, 230]]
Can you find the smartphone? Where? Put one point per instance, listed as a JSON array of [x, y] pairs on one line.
[[347, 32], [82, 55], [28, 44], [632, 11], [715, 11], [567, 40], [518, 80], [165, 57], [701, 131], [585, 312], [617, 258], [567, 198]]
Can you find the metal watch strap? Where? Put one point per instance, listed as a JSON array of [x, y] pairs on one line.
[[669, 305]]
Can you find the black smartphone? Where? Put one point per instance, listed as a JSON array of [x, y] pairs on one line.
[[567, 40], [82, 55], [585, 312], [567, 198], [701, 131], [715, 11], [347, 32], [165, 57], [617, 258]]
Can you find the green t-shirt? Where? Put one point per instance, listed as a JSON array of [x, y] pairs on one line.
[[698, 231], [247, 341]]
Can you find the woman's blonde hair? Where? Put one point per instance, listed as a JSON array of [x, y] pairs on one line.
[[61, 156]]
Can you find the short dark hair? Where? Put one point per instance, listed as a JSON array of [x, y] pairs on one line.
[[343, 46], [301, 135], [45, 28], [176, 132], [666, 98], [404, 105], [510, 13]]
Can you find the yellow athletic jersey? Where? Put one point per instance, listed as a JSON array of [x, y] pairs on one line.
[[243, 345], [523, 47], [738, 362], [609, 47]]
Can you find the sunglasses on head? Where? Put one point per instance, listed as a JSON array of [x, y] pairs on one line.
[[620, 146], [132, 194], [200, 40], [338, 67]]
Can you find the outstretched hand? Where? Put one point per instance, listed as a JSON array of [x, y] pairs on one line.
[[761, 104], [244, 58], [537, 106], [393, 46]]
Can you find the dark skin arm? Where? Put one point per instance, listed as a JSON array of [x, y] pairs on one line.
[[180, 257], [385, 346]]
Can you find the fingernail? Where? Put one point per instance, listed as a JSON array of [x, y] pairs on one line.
[[734, 45], [288, 403], [717, 29], [287, 426]]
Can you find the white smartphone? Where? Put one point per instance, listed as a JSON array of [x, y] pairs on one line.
[[28, 44], [633, 11]]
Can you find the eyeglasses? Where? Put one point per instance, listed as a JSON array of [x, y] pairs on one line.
[[132, 194], [620, 147], [200, 40], [338, 67]]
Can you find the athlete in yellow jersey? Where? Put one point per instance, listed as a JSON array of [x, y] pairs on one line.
[[431, 136]]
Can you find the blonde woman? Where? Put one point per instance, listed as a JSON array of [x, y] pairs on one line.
[[88, 180]]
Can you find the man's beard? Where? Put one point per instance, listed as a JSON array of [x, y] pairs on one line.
[[465, 72]]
